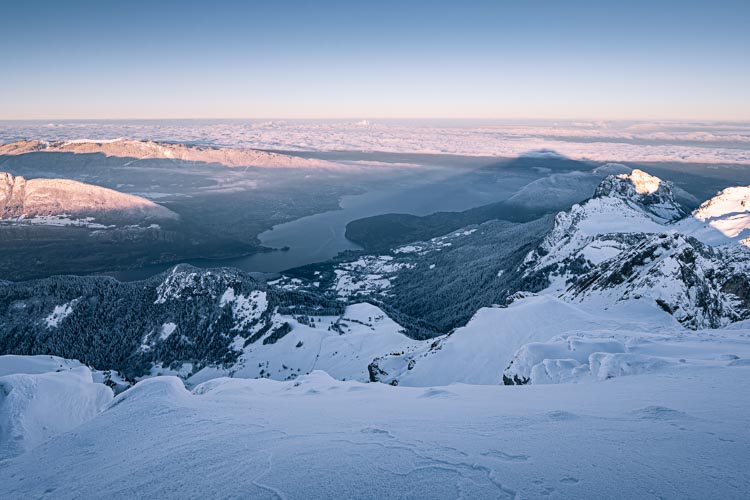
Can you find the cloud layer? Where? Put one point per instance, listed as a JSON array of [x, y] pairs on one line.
[[599, 141]]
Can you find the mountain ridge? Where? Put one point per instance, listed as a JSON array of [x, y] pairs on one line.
[[21, 197], [141, 149]]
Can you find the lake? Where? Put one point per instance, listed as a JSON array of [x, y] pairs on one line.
[[319, 237]]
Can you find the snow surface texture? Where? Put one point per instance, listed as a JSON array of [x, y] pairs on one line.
[[679, 434], [33, 365], [41, 397], [598, 141]]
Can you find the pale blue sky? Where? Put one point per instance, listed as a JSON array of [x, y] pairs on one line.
[[380, 59]]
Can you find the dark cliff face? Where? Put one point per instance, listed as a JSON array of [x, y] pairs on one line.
[[12, 194]]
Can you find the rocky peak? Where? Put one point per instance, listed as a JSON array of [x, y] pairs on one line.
[[650, 193], [184, 282]]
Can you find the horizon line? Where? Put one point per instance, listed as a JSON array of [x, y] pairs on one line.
[[402, 118]]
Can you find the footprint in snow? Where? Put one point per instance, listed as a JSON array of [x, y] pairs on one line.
[[375, 430], [436, 393], [660, 413], [547, 491], [559, 415], [728, 357]]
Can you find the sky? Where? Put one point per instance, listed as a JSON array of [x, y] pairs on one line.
[[535, 59]]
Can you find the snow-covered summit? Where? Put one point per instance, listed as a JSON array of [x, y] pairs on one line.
[[653, 195], [614, 219]]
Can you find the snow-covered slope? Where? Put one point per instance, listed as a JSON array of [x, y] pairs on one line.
[[342, 346], [32, 365], [722, 220], [21, 198], [681, 433], [481, 351]]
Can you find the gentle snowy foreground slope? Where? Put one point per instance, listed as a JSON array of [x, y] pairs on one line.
[[682, 433]]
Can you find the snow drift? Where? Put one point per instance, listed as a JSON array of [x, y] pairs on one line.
[[36, 406]]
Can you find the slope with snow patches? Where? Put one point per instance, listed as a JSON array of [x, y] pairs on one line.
[[342, 346]]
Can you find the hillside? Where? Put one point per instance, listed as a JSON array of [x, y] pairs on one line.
[[22, 198]]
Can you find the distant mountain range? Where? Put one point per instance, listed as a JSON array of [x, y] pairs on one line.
[[138, 150]]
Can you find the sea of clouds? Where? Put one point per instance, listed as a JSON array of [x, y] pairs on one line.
[[700, 142]]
